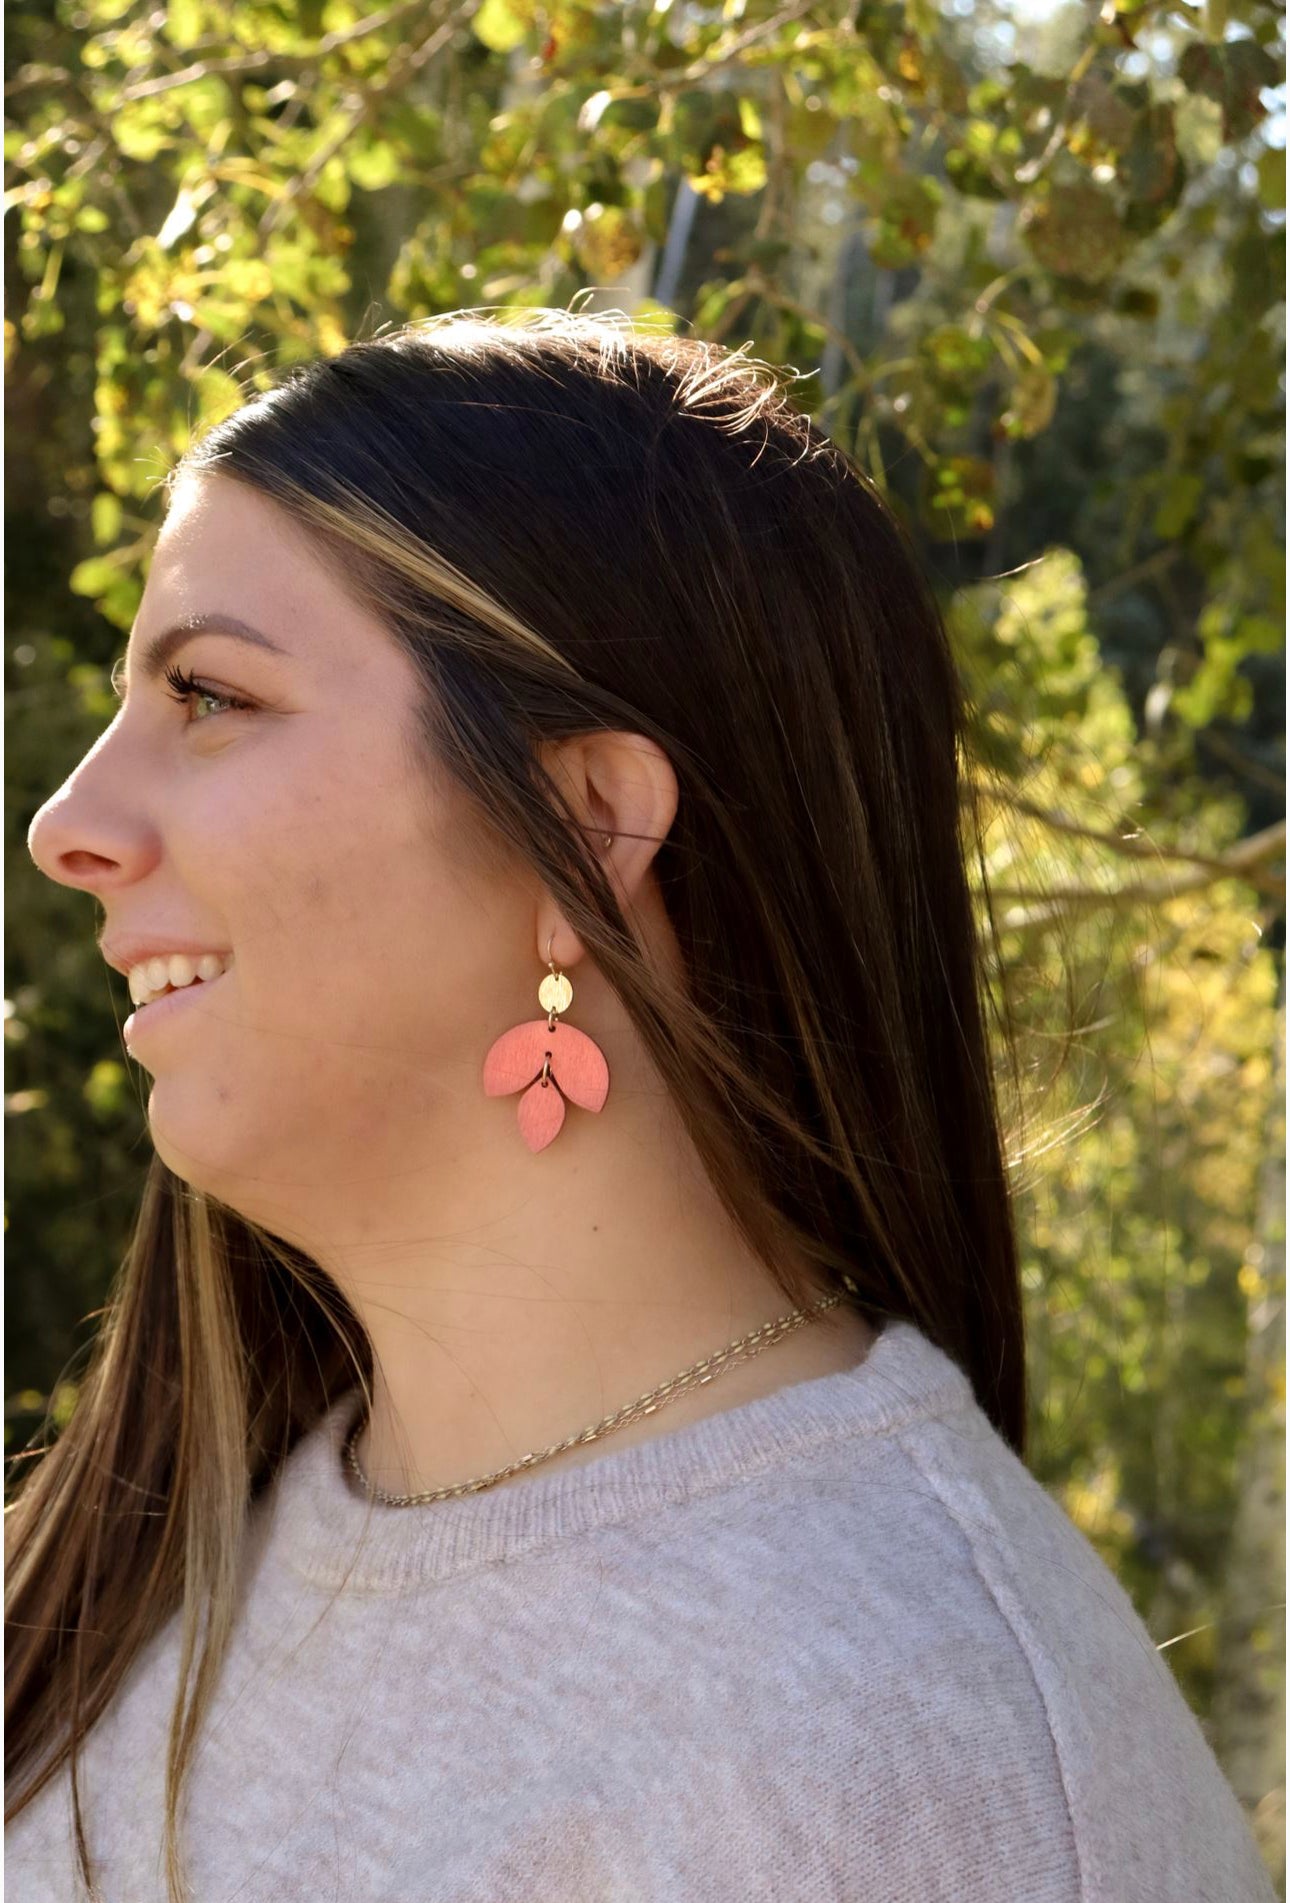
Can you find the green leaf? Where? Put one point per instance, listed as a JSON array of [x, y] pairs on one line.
[[630, 114], [373, 167], [1180, 498], [42, 318], [250, 278], [139, 133], [958, 497], [810, 133], [90, 683], [740, 172], [502, 25], [1272, 178], [1149, 164], [1233, 74], [651, 316], [749, 118], [906, 221], [332, 187], [1260, 634], [415, 126], [954, 352], [218, 395], [106, 1088], [183, 22], [1033, 401], [1075, 231], [105, 517], [224, 317], [93, 577]]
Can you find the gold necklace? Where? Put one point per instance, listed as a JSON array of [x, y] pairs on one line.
[[702, 1371]]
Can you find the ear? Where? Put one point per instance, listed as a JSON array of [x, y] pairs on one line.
[[620, 784]]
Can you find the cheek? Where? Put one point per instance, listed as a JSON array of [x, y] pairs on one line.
[[338, 886], [288, 870], [337, 911]]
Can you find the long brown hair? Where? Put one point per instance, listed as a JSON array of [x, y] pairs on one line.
[[573, 525]]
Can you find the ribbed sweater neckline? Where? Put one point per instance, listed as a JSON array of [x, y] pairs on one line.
[[324, 1528]]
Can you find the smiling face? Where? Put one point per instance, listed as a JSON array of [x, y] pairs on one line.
[[301, 833]]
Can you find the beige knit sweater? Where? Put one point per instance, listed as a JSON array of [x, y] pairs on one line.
[[835, 1643]]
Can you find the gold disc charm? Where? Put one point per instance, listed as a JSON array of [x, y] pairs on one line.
[[555, 994]]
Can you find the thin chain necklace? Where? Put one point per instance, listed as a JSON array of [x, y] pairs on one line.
[[657, 1397]]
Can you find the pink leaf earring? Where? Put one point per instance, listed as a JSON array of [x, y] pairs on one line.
[[541, 1053]]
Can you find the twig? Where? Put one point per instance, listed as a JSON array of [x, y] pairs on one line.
[[273, 57], [762, 287], [1254, 849], [1241, 862], [722, 55], [1150, 565], [1261, 775]]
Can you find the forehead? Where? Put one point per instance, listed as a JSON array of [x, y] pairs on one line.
[[216, 526], [226, 548]]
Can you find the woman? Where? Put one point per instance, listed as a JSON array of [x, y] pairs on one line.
[[538, 775]]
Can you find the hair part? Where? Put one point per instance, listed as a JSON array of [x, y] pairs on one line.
[[571, 526]]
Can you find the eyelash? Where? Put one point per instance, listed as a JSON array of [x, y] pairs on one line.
[[183, 686]]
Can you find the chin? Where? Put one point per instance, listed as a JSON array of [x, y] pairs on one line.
[[200, 1145]]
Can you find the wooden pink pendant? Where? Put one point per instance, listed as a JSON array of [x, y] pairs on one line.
[[541, 1055], [541, 1114]]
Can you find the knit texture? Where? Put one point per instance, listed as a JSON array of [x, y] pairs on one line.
[[834, 1643]]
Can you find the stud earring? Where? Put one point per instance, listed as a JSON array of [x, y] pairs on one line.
[[549, 1058]]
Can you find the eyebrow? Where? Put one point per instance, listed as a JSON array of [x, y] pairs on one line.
[[162, 646]]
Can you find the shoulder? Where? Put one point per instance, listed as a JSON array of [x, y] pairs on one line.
[[1147, 1797], [993, 1691]]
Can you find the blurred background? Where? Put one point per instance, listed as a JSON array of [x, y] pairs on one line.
[[1026, 264]]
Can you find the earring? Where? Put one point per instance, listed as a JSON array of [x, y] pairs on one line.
[[533, 1054]]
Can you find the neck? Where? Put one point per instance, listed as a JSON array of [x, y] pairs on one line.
[[842, 1345], [512, 1299], [561, 1288], [392, 1460]]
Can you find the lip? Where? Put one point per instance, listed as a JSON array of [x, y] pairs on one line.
[[162, 1010]]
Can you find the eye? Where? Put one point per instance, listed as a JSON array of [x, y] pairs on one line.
[[184, 687]]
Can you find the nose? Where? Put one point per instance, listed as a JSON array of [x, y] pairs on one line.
[[57, 845], [79, 839]]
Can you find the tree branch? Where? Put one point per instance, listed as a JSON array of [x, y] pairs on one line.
[[273, 59], [1242, 861], [1139, 846], [409, 62]]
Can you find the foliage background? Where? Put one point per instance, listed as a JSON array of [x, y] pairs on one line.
[[1028, 267]]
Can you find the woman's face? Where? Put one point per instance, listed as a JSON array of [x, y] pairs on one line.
[[302, 835]]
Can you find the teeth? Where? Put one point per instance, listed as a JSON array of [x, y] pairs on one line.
[[147, 979]]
